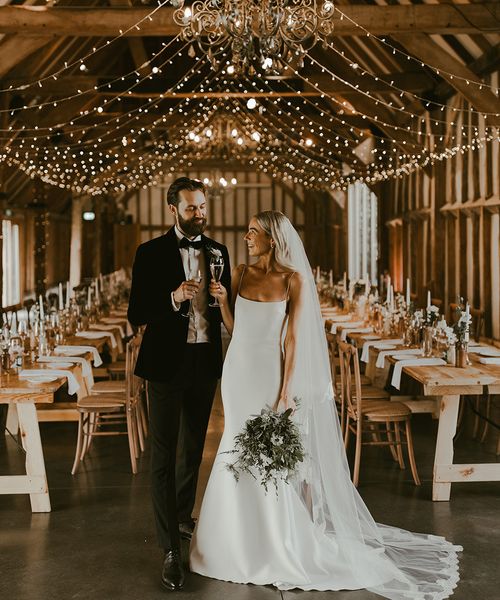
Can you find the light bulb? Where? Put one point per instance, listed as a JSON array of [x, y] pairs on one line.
[[251, 103]]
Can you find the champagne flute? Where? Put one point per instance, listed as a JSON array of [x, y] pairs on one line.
[[216, 268], [193, 276]]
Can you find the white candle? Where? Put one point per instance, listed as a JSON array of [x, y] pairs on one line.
[[388, 297], [318, 274], [89, 296], [467, 315], [330, 278], [391, 294], [67, 294], [367, 285], [345, 280], [407, 291], [96, 291], [428, 299], [13, 325], [61, 302], [40, 301]]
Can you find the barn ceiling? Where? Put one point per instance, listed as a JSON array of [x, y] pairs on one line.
[[106, 96]]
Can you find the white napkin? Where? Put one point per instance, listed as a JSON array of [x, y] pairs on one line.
[[365, 353], [67, 350], [73, 385], [476, 349], [95, 335], [350, 325], [346, 331], [86, 368], [107, 327], [340, 318], [113, 320], [382, 355], [387, 342], [412, 362], [490, 360]]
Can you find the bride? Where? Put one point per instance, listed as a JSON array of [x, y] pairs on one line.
[[315, 533]]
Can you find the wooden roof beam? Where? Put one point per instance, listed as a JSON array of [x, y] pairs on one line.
[[410, 81], [424, 48], [442, 19]]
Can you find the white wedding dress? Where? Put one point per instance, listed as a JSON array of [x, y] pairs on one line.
[[290, 540]]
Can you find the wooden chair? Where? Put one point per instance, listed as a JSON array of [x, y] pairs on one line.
[[107, 413], [366, 416], [335, 373]]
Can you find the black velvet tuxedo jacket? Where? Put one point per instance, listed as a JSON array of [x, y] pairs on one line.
[[157, 272]]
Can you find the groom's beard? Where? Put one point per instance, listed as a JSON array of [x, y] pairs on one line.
[[192, 227]]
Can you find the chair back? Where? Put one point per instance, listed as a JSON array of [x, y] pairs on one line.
[[133, 383], [350, 380]]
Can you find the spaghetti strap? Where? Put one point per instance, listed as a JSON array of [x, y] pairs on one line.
[[241, 277], [288, 286]]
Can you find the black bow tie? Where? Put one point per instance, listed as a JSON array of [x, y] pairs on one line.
[[185, 243]]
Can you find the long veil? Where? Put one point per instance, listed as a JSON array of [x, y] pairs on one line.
[[392, 562]]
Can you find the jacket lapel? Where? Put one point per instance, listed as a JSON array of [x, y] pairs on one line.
[[174, 256]]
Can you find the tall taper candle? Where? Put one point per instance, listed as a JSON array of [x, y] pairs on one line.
[[330, 278], [345, 281], [61, 302], [368, 285], [467, 315], [428, 299], [40, 301], [388, 297], [89, 296], [67, 294], [407, 291]]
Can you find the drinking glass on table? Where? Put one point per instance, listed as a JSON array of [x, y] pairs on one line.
[[216, 269], [193, 276]]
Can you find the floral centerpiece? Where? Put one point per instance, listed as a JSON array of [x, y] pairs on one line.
[[269, 448]]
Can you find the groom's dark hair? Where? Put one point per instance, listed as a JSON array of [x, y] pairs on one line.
[[183, 183]]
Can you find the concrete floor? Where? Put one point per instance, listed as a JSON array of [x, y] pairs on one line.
[[99, 541]]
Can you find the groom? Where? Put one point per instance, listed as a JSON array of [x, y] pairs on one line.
[[181, 359]]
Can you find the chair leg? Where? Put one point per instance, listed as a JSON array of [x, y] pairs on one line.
[[411, 455], [475, 428], [486, 424], [86, 430], [79, 440], [392, 444], [143, 413], [399, 450], [347, 432], [357, 456], [138, 426], [131, 442]]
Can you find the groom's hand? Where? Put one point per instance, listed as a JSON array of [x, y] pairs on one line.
[[186, 291]]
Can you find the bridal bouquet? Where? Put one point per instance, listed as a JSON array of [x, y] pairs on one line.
[[269, 448]]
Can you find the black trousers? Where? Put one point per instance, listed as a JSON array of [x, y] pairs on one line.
[[179, 412]]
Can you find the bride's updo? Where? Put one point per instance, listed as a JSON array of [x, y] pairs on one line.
[[279, 228]]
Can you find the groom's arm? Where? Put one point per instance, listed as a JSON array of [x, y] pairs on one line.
[[147, 303]]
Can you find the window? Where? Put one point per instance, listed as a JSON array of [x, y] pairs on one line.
[[362, 224], [11, 292]]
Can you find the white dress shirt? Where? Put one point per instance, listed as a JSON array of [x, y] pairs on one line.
[[192, 260]]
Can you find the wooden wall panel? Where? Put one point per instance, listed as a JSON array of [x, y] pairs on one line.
[[456, 246]]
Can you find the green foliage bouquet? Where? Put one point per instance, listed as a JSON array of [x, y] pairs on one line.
[[269, 448]]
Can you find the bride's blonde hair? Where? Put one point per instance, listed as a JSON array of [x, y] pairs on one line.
[[278, 227]]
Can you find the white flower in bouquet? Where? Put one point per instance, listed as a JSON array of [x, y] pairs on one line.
[[269, 448]]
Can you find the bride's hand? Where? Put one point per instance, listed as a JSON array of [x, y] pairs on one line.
[[284, 403], [217, 290]]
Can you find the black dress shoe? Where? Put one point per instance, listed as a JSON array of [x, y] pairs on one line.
[[186, 529], [172, 574]]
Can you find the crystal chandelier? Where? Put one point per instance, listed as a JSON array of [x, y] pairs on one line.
[[251, 35], [224, 137], [217, 185]]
